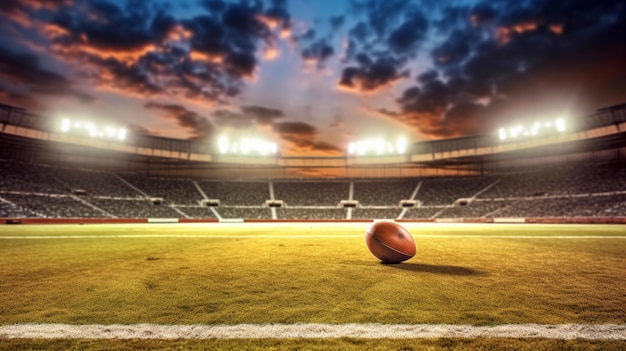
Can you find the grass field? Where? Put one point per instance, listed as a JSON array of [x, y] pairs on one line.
[[234, 274]]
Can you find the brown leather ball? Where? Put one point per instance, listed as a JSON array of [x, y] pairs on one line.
[[390, 242]]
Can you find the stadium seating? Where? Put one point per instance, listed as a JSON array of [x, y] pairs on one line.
[[241, 193], [52, 206], [311, 213], [175, 191], [383, 193], [308, 193], [28, 190], [245, 212]]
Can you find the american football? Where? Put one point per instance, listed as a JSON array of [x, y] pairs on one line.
[[390, 242]]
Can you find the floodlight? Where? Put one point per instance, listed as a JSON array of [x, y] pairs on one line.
[[379, 146], [222, 144], [560, 124], [401, 145], [121, 134], [66, 124], [246, 146], [351, 148], [502, 133]]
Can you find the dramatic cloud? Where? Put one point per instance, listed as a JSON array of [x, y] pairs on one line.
[[381, 44], [199, 126], [250, 117], [25, 69], [262, 115], [369, 76], [318, 52], [303, 137], [441, 67], [498, 60], [142, 50], [24, 76]]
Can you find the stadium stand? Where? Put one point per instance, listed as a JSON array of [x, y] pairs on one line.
[[572, 206], [93, 183], [311, 213], [376, 213], [383, 193], [421, 212], [125, 208], [28, 190], [445, 191], [307, 193], [245, 212], [239, 193], [476, 209], [11, 210], [29, 178], [53, 206], [197, 212], [175, 191]]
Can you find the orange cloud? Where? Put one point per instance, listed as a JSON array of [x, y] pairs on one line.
[[556, 29], [127, 56], [271, 23], [178, 33], [206, 57]]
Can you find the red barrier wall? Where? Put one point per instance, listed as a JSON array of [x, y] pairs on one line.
[[416, 220], [73, 220]]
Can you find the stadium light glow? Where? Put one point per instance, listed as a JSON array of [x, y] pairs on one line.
[[93, 130], [537, 128], [377, 146], [246, 146]]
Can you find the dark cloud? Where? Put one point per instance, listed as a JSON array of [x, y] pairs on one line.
[[482, 14], [141, 49], [26, 74], [249, 117], [294, 128], [428, 76], [199, 126], [386, 36], [228, 118], [409, 35], [308, 35], [336, 22], [303, 137], [26, 101], [262, 115], [26, 69], [501, 59], [105, 26], [370, 75], [318, 52]]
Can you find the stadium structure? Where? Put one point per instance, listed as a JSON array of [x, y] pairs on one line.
[[51, 172]]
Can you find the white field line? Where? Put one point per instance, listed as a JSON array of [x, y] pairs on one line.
[[304, 236], [264, 331]]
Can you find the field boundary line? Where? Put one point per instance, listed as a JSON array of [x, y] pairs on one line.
[[265, 331], [304, 236]]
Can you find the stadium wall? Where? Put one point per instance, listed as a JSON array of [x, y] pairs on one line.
[[537, 220]]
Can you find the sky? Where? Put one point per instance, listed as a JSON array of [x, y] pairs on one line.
[[313, 75]]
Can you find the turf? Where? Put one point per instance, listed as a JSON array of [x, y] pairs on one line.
[[312, 273], [315, 344]]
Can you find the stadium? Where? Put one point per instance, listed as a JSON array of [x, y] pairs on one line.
[[146, 242]]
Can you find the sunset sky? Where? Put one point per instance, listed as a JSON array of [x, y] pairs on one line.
[[312, 74]]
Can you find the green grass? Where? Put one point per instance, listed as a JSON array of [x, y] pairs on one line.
[[227, 275]]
